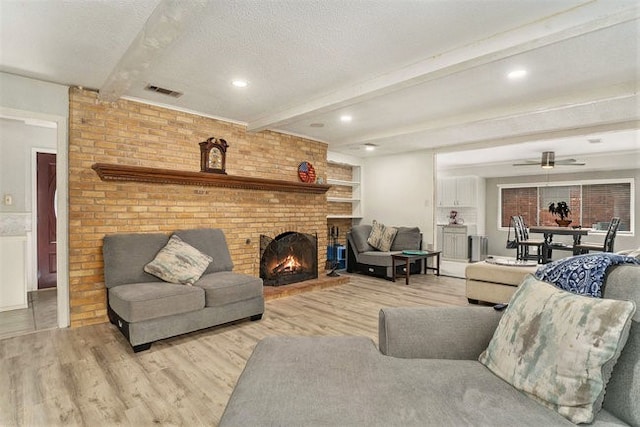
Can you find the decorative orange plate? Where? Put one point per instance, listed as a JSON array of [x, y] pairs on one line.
[[306, 172]]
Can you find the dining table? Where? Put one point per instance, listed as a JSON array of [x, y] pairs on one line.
[[549, 231]]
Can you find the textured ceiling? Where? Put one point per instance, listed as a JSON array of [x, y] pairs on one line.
[[412, 74]]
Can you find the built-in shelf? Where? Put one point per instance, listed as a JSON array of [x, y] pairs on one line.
[[342, 173], [341, 182], [114, 172], [342, 199]]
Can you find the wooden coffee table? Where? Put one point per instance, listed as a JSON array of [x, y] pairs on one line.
[[408, 259]]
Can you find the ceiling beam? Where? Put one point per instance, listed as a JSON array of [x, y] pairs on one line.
[[526, 38], [541, 136], [587, 118], [615, 112], [593, 99], [164, 26]]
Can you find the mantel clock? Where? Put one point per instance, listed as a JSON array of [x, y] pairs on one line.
[[213, 155]]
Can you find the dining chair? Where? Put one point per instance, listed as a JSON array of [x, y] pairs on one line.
[[524, 243], [606, 246]]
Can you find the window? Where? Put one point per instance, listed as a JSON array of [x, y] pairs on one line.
[[592, 204]]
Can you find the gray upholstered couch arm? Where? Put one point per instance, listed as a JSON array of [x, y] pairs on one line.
[[436, 332]]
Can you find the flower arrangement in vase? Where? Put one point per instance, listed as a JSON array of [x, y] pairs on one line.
[[561, 210]]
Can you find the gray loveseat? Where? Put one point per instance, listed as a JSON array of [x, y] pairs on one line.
[[364, 258], [426, 373], [146, 309]]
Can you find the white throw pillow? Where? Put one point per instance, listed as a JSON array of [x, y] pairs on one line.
[[178, 262], [388, 234], [376, 234], [559, 347], [381, 237]]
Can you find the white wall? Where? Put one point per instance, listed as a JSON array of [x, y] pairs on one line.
[[26, 94], [16, 143], [497, 238], [22, 97], [400, 191]]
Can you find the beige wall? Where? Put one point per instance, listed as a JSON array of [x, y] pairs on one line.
[[138, 134], [400, 191]]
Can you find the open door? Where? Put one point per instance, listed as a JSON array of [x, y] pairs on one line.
[[46, 187]]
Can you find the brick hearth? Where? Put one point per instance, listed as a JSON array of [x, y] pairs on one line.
[[273, 292]]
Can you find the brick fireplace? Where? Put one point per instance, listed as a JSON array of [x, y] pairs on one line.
[[291, 257], [131, 133]]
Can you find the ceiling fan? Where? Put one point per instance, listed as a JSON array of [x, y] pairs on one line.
[[548, 161]]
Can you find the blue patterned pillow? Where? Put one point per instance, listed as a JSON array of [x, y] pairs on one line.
[[582, 274]]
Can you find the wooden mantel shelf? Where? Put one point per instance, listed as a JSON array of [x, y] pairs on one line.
[[114, 172]]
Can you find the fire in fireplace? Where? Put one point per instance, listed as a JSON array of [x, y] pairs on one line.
[[289, 258]]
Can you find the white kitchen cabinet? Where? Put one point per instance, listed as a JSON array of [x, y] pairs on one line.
[[446, 192], [458, 191], [466, 190], [455, 243], [13, 283]]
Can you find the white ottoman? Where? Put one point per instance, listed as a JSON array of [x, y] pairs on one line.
[[494, 283]]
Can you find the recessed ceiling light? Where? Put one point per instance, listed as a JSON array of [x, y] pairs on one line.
[[370, 147], [240, 83], [316, 125], [346, 119], [517, 74]]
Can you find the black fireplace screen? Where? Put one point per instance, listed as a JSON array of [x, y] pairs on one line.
[[289, 258]]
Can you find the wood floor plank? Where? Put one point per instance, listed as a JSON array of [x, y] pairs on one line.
[[16, 322], [45, 309], [89, 376], [40, 314]]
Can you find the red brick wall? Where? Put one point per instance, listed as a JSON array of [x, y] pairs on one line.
[[131, 133]]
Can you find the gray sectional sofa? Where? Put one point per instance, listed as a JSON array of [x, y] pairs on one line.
[[147, 309], [425, 373], [364, 258]]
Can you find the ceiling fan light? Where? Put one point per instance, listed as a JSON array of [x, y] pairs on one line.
[[548, 160]]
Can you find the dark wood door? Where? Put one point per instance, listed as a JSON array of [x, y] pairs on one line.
[[46, 187]]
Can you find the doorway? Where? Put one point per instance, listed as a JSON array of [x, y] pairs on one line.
[[60, 123], [46, 220]]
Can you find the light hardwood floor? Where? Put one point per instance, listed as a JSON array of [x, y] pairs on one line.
[[89, 376], [40, 314]]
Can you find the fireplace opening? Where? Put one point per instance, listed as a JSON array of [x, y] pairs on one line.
[[289, 258]]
